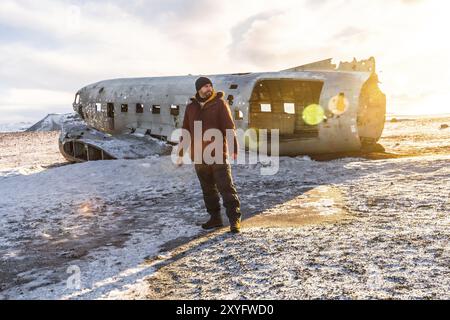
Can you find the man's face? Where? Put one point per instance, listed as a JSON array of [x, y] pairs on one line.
[[206, 91]]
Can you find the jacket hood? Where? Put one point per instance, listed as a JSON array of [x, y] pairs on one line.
[[215, 94]]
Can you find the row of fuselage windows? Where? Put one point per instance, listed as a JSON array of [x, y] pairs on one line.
[[138, 108], [156, 109]]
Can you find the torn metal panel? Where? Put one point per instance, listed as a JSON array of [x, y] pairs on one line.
[[327, 65], [79, 142]]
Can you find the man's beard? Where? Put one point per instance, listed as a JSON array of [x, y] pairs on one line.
[[204, 96]]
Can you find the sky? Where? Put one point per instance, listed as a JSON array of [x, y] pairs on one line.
[[49, 49]]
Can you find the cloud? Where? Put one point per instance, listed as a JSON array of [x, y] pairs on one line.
[[56, 47], [18, 98]]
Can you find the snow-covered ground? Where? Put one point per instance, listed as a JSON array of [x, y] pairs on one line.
[[417, 136], [127, 228], [29, 152], [394, 244]]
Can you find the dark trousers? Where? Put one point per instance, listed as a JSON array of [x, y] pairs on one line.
[[215, 178]]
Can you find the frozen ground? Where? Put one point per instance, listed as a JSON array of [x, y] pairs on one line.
[[357, 228], [417, 136], [29, 152], [394, 243]]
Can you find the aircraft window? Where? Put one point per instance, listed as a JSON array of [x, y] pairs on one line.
[[139, 108], [124, 108], [289, 108], [110, 110], [156, 109], [238, 114], [174, 110], [230, 99], [266, 107]]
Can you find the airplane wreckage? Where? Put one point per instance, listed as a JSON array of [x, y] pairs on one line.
[[318, 108]]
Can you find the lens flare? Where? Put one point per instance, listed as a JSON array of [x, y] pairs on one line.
[[338, 104], [313, 114]]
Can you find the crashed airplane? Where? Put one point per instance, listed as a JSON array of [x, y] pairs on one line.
[[318, 108]]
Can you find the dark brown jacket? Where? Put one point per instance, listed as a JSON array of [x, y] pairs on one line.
[[215, 114]]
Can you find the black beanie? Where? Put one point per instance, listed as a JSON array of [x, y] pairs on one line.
[[200, 82]]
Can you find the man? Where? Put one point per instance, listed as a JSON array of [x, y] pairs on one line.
[[209, 107]]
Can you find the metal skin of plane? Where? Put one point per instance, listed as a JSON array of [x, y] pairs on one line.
[[122, 117]]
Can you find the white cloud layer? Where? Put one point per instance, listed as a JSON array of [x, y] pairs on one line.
[[49, 49]]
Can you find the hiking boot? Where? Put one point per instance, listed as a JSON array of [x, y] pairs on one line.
[[235, 225], [213, 222]]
